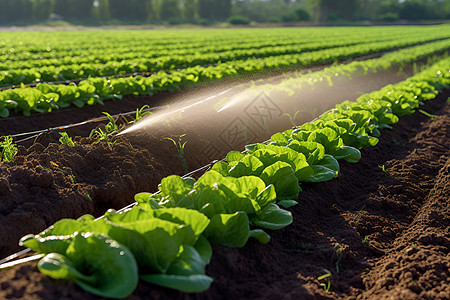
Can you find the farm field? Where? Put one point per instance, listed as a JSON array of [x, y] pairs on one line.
[[352, 203]]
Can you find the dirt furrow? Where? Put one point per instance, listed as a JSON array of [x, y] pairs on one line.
[[381, 234]]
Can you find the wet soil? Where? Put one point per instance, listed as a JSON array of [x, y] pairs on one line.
[[382, 234], [48, 181]]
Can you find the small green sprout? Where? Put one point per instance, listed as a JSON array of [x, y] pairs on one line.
[[57, 168], [103, 136], [398, 143], [65, 139], [382, 168], [307, 248], [431, 116], [111, 127], [326, 286], [140, 114], [364, 240], [180, 149], [9, 149], [339, 252]]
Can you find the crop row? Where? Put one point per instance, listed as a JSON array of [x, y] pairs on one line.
[[122, 52], [37, 45], [46, 97], [320, 53], [165, 238], [271, 58], [150, 50], [160, 60]]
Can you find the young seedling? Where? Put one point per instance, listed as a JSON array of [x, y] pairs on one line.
[[140, 114], [326, 286], [65, 139], [364, 240], [111, 127], [9, 150], [180, 149], [431, 116], [382, 168], [57, 168], [362, 208], [102, 135], [338, 255], [398, 143], [306, 247]]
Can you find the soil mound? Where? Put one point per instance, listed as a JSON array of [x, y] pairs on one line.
[[381, 229]]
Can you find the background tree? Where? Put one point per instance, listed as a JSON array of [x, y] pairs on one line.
[[62, 8], [41, 9], [189, 9], [175, 11], [100, 10], [222, 9], [80, 9], [206, 9], [170, 9]]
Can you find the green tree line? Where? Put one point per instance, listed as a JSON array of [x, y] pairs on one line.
[[244, 11]]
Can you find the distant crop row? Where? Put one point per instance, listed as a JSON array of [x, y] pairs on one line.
[[163, 58], [268, 58], [33, 45], [46, 97], [165, 239], [21, 57], [149, 49]]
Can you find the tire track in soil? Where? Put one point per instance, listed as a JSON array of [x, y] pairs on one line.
[[392, 229]]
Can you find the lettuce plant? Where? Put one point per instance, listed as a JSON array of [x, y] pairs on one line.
[[166, 245]]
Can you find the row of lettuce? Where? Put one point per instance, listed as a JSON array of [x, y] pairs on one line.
[[223, 50], [58, 69], [317, 53], [23, 46], [166, 238], [48, 97]]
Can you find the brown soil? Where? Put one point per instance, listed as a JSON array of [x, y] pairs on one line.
[[381, 234], [48, 181]]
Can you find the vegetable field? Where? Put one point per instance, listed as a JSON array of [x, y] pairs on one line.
[[298, 163]]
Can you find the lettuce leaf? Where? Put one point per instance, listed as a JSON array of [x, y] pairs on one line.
[[97, 264]]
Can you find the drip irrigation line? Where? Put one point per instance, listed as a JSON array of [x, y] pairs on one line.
[[6, 262], [20, 261], [34, 134], [14, 256]]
